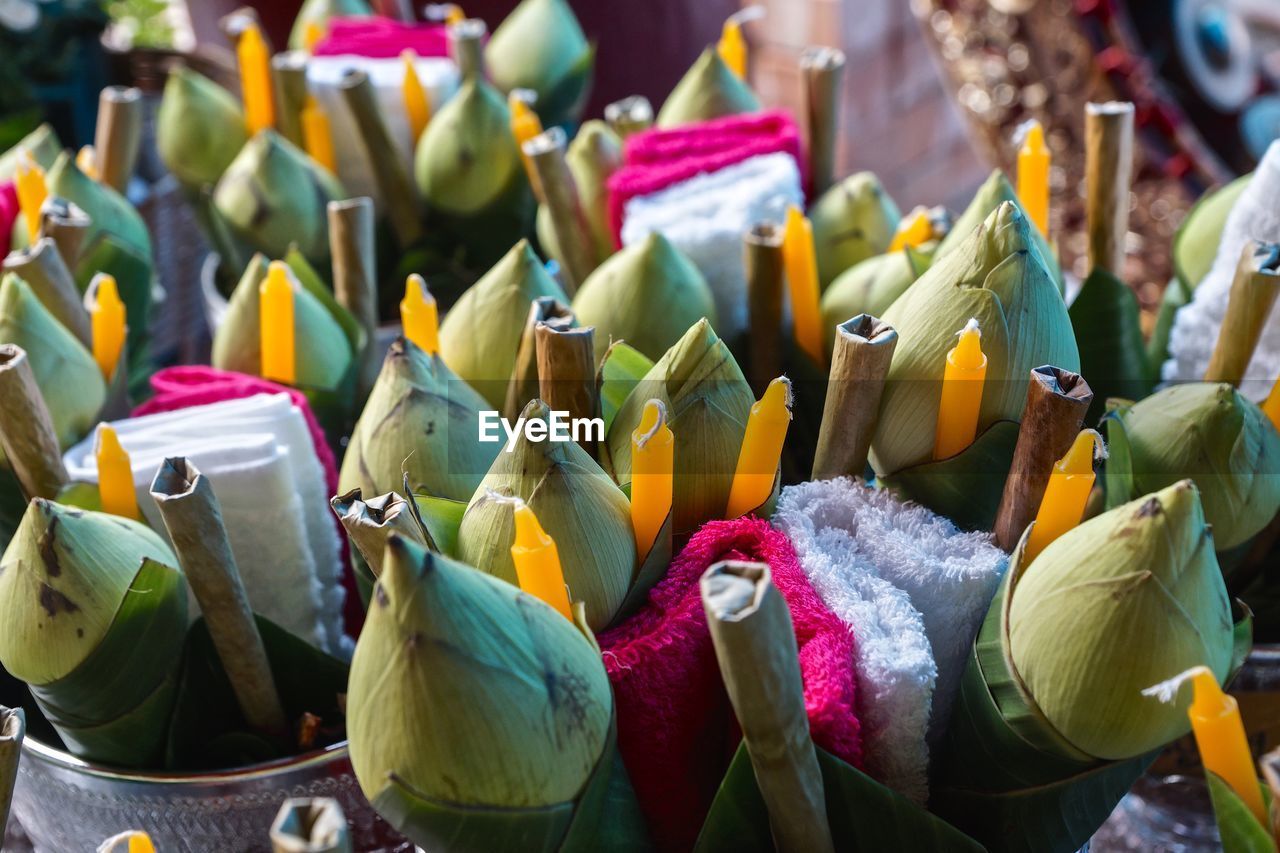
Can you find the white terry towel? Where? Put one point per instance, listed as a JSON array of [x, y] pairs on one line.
[[707, 216], [439, 77], [1255, 216]]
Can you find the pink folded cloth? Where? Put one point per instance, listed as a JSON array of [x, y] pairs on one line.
[[381, 38], [9, 211], [658, 158], [676, 729]]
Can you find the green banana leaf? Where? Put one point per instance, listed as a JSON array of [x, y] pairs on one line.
[[563, 104], [311, 280], [1117, 476], [1113, 357], [1175, 295], [965, 488], [41, 143], [441, 517], [621, 370], [652, 567], [1238, 828], [1196, 243], [863, 814]]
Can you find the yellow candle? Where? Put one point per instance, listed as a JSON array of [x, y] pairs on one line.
[[255, 79], [538, 561], [107, 320], [1271, 406], [761, 449], [802, 281], [87, 161], [525, 124], [416, 105], [912, 231], [317, 138], [962, 381], [29, 183], [275, 317], [1066, 494], [450, 13], [418, 315], [1033, 176], [115, 475], [140, 842], [732, 47], [1220, 737], [652, 464], [311, 35]]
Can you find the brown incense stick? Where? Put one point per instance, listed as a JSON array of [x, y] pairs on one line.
[[13, 728], [1108, 143], [310, 825], [1057, 400], [859, 364], [523, 386], [117, 137], [355, 279], [466, 47], [629, 115], [26, 429], [567, 373], [821, 72], [755, 645], [41, 266], [289, 79], [194, 520], [394, 184], [559, 192], [370, 523], [1253, 293], [763, 249], [66, 225]]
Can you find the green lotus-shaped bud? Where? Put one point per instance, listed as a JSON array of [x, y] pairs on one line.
[[871, 286], [998, 278], [707, 90], [707, 402], [466, 693], [273, 195], [541, 46], [577, 504], [852, 221], [480, 335], [995, 191], [95, 623], [648, 295], [593, 155], [1125, 601], [322, 351], [41, 145], [69, 378], [199, 128], [1211, 434], [318, 12], [422, 420]]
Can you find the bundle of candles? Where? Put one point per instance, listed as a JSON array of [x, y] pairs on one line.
[[725, 505]]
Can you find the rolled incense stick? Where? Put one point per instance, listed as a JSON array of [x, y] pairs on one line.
[[1057, 400], [66, 225], [194, 520], [756, 648], [394, 184], [118, 135], [567, 373], [629, 115], [1253, 293], [41, 266], [26, 430], [523, 386], [370, 523], [466, 47], [821, 72], [763, 251], [1108, 144], [310, 825], [289, 77], [859, 364], [13, 728], [559, 192], [355, 276]]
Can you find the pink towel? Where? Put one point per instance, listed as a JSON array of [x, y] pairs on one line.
[[9, 211], [658, 158], [676, 729], [382, 38]]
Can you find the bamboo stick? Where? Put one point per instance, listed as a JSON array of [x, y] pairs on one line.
[[1108, 141], [26, 429], [370, 523], [466, 47], [559, 193], [1253, 293], [117, 137], [289, 79], [66, 225], [821, 74], [310, 825], [523, 386], [863, 352], [629, 115], [355, 279], [13, 728], [567, 373], [193, 519], [763, 248], [755, 645], [1057, 401], [41, 266]]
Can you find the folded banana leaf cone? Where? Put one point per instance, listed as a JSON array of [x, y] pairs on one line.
[[852, 221], [481, 719], [41, 145], [1108, 329], [1051, 727], [709, 89], [594, 154], [870, 286], [199, 128], [541, 46], [317, 13]]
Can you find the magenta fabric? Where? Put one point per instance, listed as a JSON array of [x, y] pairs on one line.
[[9, 210], [676, 730], [658, 158], [381, 38]]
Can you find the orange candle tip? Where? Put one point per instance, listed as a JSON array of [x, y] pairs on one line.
[[1034, 160], [968, 352], [108, 323], [652, 474], [1220, 737], [1066, 494], [317, 137], [30, 186], [115, 474], [419, 315], [1080, 456], [254, 59], [801, 265], [276, 324], [87, 161], [312, 35], [536, 558], [916, 229], [1271, 406], [761, 451], [417, 105], [964, 376]]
